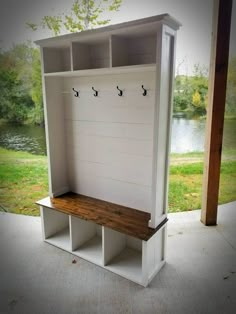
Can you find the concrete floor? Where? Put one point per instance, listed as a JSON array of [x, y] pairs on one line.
[[199, 276]]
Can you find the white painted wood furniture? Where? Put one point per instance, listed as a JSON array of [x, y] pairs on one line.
[[110, 147]]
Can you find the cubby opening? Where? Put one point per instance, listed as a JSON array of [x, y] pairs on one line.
[[136, 50], [90, 55], [56, 59], [123, 254], [86, 240], [56, 228]]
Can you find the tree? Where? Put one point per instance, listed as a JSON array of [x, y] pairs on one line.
[[199, 103], [21, 96], [85, 14], [36, 114], [200, 84], [15, 102], [182, 93], [190, 95], [19, 58], [196, 99]]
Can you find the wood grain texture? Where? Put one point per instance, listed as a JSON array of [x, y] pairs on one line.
[[215, 110], [123, 219]]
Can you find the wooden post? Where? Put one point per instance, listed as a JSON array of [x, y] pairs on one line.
[[216, 109]]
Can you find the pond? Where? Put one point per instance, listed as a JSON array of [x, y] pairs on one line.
[[25, 138], [187, 136]]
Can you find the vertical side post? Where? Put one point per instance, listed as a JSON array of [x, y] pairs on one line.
[[216, 109], [166, 38]]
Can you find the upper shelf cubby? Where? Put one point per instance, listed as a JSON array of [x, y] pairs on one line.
[[56, 59], [90, 55], [114, 51], [133, 50], [128, 44]]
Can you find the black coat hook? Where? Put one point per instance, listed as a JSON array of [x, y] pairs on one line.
[[120, 91], [144, 91], [76, 92], [96, 92]]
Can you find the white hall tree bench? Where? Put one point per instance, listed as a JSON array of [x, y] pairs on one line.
[[108, 105]]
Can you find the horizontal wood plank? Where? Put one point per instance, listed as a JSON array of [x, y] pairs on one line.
[[122, 219], [113, 191]]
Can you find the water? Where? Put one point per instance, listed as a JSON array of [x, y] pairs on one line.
[[25, 138], [187, 136]]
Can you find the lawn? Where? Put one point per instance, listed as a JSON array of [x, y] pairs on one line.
[[185, 187], [23, 181]]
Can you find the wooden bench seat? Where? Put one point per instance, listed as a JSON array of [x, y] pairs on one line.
[[120, 218]]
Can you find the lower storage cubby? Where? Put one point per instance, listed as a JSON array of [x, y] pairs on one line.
[[132, 258], [137, 256], [56, 228], [86, 240], [123, 255]]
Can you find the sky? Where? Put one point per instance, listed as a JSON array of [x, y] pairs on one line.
[[193, 39]]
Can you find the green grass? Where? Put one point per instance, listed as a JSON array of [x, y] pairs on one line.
[[185, 189], [230, 116], [226, 155], [24, 180]]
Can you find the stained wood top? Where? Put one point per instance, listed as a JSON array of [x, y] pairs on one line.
[[120, 218]]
